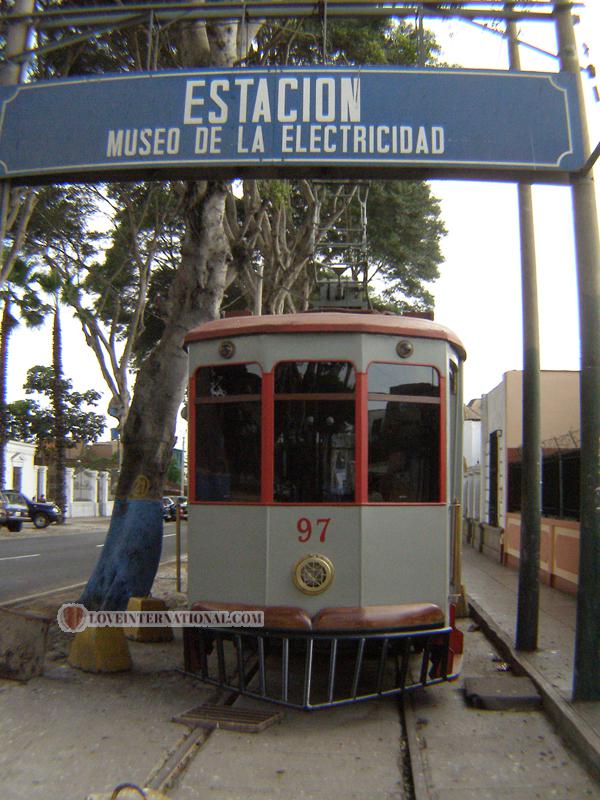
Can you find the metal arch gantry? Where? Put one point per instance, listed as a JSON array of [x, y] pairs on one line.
[[97, 20], [94, 21]]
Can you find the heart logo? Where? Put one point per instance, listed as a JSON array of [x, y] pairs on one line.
[[72, 617]]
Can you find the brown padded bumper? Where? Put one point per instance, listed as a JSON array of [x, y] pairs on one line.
[[350, 618], [413, 615]]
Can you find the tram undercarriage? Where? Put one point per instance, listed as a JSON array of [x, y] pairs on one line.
[[309, 665]]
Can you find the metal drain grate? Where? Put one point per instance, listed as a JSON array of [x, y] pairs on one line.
[[232, 719]]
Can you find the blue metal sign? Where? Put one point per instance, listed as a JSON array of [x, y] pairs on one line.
[[165, 122]]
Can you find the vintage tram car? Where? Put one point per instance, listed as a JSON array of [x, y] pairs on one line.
[[325, 466]]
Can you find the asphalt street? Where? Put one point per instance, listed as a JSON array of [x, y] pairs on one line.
[[40, 563]]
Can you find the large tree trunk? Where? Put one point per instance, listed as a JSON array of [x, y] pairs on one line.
[[131, 554]]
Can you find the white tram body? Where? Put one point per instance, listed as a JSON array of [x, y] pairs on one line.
[[325, 469]]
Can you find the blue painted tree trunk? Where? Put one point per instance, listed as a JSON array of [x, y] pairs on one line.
[[130, 556]]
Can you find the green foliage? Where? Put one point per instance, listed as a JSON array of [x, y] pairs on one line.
[[404, 232], [364, 40], [276, 192], [404, 222], [31, 421], [27, 422], [20, 291], [173, 476]]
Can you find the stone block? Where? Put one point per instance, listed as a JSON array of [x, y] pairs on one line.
[[100, 650], [138, 634], [23, 640]]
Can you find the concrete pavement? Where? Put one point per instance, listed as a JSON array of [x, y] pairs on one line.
[[69, 734], [493, 593]]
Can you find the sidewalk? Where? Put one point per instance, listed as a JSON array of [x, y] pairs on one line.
[[492, 594]]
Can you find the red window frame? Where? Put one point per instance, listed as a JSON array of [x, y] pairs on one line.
[[361, 400], [442, 400], [193, 402]]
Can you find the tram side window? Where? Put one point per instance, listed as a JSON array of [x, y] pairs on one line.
[[228, 433], [314, 432], [404, 434]]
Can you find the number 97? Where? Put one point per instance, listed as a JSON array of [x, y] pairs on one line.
[[305, 528]]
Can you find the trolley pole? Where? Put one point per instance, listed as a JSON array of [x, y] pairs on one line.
[[586, 672], [531, 486]]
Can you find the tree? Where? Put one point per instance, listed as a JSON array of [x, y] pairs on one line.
[[58, 407], [38, 422], [276, 227], [18, 297], [105, 278], [130, 557], [403, 243], [21, 204], [32, 420]]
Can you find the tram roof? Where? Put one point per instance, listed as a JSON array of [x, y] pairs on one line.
[[325, 322]]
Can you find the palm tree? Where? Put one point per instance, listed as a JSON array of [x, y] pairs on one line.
[[18, 294], [58, 405]]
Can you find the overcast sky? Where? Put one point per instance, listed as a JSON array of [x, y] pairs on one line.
[[479, 294]]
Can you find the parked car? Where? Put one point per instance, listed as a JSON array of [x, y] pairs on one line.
[[22, 509], [3, 509], [169, 509], [18, 513]]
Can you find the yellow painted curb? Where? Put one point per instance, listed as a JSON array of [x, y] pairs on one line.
[[100, 650], [164, 634]]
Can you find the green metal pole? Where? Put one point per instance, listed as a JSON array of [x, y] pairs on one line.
[[531, 487], [11, 72], [586, 672], [531, 477]]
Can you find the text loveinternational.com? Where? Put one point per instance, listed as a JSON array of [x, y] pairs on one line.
[[74, 617]]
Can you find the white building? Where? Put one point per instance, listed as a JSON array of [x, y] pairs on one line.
[[21, 473], [87, 490]]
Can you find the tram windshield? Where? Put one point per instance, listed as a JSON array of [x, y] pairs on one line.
[[310, 456], [314, 432], [404, 434], [228, 433]]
